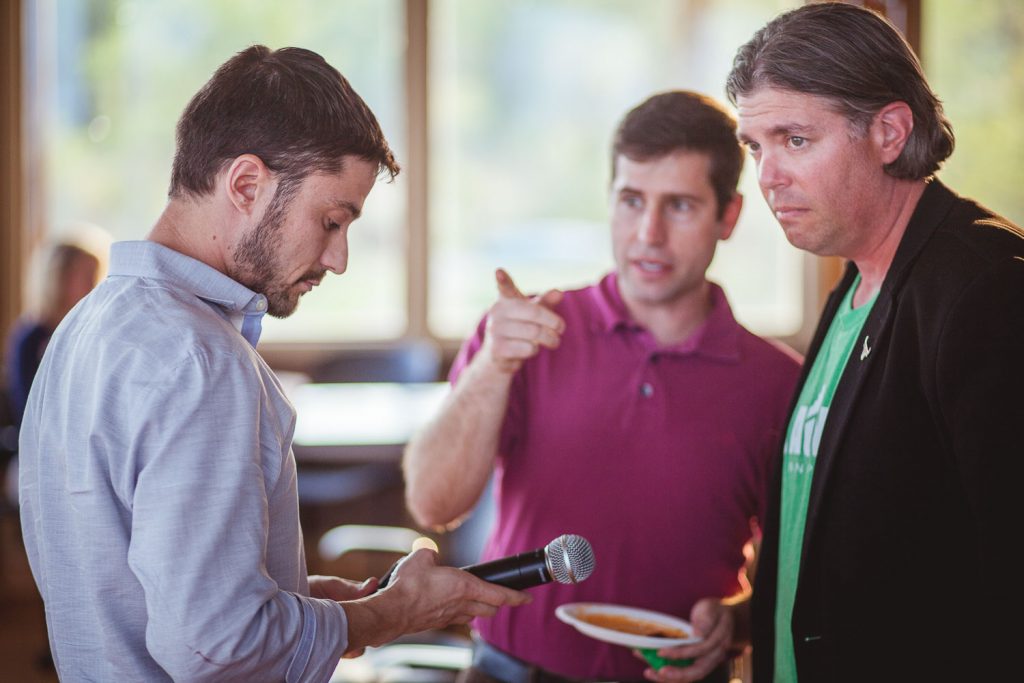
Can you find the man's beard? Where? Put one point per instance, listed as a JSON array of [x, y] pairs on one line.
[[256, 264]]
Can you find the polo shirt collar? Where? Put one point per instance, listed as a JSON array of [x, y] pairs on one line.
[[239, 304], [718, 337]]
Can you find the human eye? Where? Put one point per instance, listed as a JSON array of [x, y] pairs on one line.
[[331, 225], [796, 141], [753, 148], [681, 205], [631, 200]]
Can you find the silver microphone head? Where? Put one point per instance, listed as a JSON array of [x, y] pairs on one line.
[[569, 558]]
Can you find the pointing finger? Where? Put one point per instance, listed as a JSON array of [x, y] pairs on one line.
[[506, 287]]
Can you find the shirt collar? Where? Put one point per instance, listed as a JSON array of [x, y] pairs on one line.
[[240, 305], [717, 337]]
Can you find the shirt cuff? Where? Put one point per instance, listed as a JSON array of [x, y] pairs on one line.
[[323, 641]]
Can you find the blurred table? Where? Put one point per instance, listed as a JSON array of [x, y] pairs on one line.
[[348, 445], [357, 422]]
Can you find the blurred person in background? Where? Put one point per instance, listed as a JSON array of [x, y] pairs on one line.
[[158, 485], [636, 413], [62, 274], [894, 509]]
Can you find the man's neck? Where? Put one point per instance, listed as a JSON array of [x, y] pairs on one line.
[[673, 323], [186, 226], [877, 251]]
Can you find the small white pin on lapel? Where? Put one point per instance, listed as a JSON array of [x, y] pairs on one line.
[[866, 349]]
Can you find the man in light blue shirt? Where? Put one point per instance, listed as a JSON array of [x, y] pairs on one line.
[[158, 489]]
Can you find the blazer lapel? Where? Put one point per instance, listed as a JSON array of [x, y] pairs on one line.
[[865, 353], [934, 204]]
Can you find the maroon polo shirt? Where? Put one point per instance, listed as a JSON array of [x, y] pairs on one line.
[[658, 456]]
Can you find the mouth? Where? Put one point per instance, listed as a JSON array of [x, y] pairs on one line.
[[650, 266], [307, 284], [788, 212]]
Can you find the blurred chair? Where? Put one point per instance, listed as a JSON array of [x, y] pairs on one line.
[[8, 482], [414, 360], [8, 430], [366, 538]]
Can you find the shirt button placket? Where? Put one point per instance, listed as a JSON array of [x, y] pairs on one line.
[[647, 387]]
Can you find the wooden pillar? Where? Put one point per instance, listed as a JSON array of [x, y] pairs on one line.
[[13, 233], [416, 168]]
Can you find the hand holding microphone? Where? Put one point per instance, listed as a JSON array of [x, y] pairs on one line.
[[568, 559], [423, 596]]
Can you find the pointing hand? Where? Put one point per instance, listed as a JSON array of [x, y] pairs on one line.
[[518, 326]]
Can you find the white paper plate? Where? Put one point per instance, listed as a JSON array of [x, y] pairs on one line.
[[570, 614]]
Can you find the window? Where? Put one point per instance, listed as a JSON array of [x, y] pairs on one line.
[[972, 54], [113, 77]]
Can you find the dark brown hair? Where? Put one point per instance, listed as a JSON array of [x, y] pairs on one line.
[[858, 61], [681, 120], [289, 107]]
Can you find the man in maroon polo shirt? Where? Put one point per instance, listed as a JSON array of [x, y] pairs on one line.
[[635, 412]]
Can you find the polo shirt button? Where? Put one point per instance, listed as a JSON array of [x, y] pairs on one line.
[[646, 390], [261, 305]]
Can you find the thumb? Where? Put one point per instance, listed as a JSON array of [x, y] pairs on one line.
[[550, 298], [506, 287], [704, 616]]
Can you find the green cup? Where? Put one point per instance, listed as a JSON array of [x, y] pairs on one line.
[[656, 661]]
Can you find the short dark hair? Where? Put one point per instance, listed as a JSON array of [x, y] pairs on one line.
[[289, 107], [681, 120], [858, 61]]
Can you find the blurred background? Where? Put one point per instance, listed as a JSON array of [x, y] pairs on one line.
[[501, 113]]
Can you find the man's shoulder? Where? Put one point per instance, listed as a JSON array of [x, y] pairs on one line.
[[973, 230], [769, 355], [962, 254], [967, 244], [773, 365], [151, 322], [596, 302]]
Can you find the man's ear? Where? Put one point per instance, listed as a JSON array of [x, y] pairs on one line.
[[891, 128], [730, 216], [246, 180]]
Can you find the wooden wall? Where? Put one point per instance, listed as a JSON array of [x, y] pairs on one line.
[[13, 232]]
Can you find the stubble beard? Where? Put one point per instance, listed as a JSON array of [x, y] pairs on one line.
[[256, 263]]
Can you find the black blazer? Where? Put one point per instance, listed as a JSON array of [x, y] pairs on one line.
[[916, 501]]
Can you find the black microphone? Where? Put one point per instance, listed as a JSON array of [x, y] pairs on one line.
[[567, 559]]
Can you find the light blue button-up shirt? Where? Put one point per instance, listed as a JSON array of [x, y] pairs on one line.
[[157, 487]]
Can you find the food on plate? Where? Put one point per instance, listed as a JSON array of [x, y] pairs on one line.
[[621, 622]]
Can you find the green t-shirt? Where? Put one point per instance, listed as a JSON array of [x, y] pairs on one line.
[[798, 458]]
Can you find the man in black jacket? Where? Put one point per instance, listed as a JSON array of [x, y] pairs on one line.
[[886, 543]]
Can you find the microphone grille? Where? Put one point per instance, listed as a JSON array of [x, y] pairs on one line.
[[570, 558]]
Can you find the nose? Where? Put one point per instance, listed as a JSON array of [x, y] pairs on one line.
[[335, 256], [652, 226], [770, 172]]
